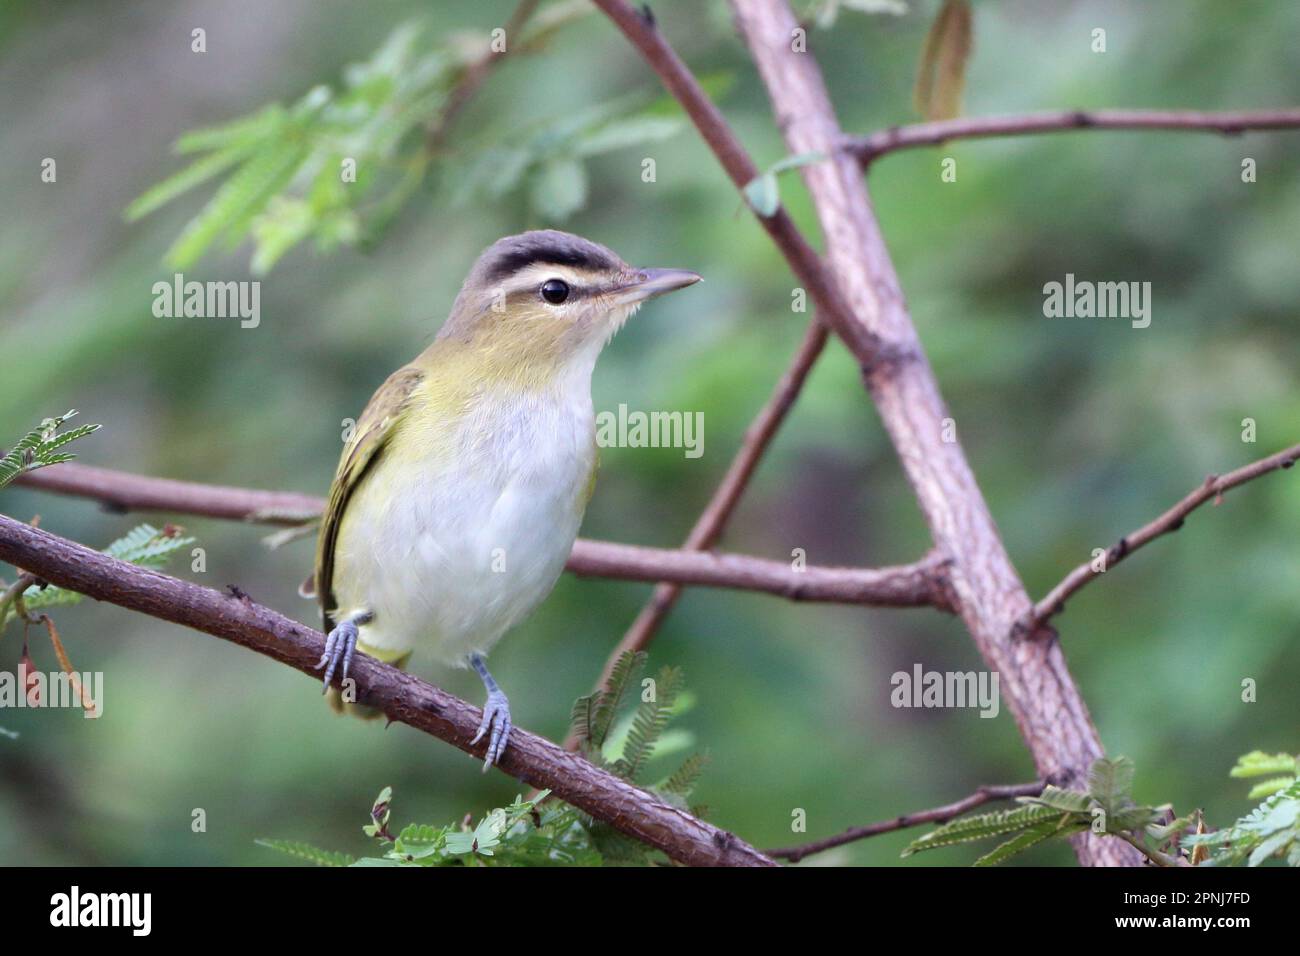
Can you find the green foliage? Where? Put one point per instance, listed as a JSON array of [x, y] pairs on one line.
[[1271, 830], [593, 715], [1283, 767], [1107, 806], [763, 193], [338, 165], [626, 746], [305, 851], [546, 158], [40, 447], [525, 833], [539, 832]]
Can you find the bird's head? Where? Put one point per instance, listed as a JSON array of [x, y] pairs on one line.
[[551, 300]]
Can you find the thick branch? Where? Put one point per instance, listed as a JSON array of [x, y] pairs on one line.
[[937, 815], [912, 585], [869, 148], [1213, 488], [708, 527], [1036, 684], [404, 698], [909, 585]]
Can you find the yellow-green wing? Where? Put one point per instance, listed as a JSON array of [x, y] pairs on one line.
[[374, 428]]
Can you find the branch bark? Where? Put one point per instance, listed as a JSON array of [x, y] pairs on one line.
[[877, 329], [869, 148], [1213, 488], [911, 585], [1036, 684], [937, 815], [404, 698]]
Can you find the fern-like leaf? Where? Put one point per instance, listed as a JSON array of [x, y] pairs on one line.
[[1110, 783], [627, 670], [40, 447], [305, 851], [979, 826], [648, 724], [1023, 841]]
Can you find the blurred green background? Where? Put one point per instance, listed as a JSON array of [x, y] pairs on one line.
[[1079, 430]]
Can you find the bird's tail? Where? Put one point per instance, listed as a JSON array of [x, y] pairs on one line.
[[341, 706]]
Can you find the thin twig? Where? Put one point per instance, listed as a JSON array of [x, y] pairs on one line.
[[869, 148], [404, 698], [711, 522], [914, 585], [937, 815], [1213, 488], [807, 265]]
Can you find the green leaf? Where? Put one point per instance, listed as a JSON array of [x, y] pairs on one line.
[[648, 724], [682, 781], [312, 854], [1070, 801], [1269, 787], [247, 130], [634, 131], [979, 826], [625, 673], [195, 174], [1023, 841], [1110, 782], [763, 193], [39, 447], [1259, 764], [238, 200]]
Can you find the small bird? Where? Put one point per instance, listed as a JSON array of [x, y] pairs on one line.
[[459, 493]]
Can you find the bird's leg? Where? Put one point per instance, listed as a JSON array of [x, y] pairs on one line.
[[341, 644], [496, 715]]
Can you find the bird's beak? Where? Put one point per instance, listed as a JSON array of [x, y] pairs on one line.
[[648, 283]]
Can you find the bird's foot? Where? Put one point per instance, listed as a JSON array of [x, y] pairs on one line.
[[340, 645], [496, 718]]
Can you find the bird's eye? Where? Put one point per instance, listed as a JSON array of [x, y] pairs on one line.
[[555, 291]]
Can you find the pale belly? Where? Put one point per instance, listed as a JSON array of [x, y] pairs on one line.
[[448, 551]]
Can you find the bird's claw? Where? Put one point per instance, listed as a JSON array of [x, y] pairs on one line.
[[340, 645], [496, 717]]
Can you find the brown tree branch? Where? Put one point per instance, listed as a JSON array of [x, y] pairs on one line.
[[404, 698], [832, 307], [1213, 488], [913, 585], [937, 815], [1037, 686], [708, 527], [908, 585], [869, 148]]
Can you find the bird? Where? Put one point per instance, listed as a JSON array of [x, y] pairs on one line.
[[459, 493]]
